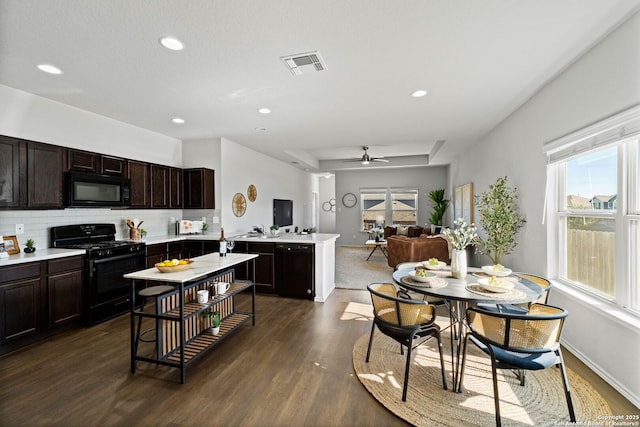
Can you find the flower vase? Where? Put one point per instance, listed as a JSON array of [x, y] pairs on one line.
[[459, 263]]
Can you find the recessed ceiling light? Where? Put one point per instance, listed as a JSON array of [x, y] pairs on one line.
[[177, 120], [49, 69], [261, 129], [264, 110], [171, 43], [419, 93]]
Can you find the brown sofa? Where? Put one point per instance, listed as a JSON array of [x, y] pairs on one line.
[[410, 249], [409, 231]]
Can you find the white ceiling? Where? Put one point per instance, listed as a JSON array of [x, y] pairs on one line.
[[479, 60]]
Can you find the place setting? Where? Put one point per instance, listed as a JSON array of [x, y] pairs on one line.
[[495, 281], [423, 277]]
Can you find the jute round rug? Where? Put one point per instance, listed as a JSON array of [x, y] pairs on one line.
[[541, 402]]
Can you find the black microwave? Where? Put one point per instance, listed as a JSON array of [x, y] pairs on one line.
[[95, 190]]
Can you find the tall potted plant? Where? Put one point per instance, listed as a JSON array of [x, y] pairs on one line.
[[440, 205], [500, 219]]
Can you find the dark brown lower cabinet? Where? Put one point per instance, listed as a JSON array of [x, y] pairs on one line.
[[39, 299], [65, 285]]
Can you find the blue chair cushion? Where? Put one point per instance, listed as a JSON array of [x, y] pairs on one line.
[[503, 308], [528, 361]]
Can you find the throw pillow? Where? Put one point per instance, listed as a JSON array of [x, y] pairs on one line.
[[403, 231]]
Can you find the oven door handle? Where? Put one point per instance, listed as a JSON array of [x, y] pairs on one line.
[[103, 260]]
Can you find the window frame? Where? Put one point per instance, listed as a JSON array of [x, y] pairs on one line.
[[622, 131]]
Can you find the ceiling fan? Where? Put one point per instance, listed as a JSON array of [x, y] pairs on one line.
[[366, 158]]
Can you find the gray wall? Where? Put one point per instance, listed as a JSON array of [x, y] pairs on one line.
[[606, 80], [424, 178]]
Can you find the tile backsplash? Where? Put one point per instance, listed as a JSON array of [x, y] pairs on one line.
[[157, 222]]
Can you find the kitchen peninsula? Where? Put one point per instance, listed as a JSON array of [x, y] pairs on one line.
[[290, 264]]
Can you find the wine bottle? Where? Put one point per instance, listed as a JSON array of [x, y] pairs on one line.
[[223, 243]]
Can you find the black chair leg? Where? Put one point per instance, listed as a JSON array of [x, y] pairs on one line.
[[406, 373], [567, 389], [444, 380], [496, 397], [373, 326]]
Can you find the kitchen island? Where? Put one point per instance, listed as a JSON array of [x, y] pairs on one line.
[[301, 265], [320, 247], [181, 334]]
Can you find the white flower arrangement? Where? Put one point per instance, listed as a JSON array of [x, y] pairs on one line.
[[462, 235]]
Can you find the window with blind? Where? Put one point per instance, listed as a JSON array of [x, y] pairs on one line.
[[384, 206], [373, 207], [593, 209]]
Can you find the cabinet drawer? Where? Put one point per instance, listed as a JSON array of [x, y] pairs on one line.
[[157, 249], [259, 247], [20, 272], [65, 264]]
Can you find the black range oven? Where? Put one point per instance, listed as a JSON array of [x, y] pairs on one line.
[[107, 293]]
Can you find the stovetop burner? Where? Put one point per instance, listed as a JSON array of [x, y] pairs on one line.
[[100, 245], [97, 239]]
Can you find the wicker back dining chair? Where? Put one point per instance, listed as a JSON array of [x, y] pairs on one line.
[[523, 308], [406, 321], [518, 341]]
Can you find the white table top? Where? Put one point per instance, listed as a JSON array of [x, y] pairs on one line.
[[373, 242], [202, 266]]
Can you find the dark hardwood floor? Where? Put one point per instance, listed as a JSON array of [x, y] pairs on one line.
[[292, 369]]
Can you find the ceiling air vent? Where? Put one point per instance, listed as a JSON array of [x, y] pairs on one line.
[[304, 63]]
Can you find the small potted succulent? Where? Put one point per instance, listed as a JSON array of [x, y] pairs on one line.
[[29, 246], [274, 229], [214, 315], [143, 234], [204, 228]]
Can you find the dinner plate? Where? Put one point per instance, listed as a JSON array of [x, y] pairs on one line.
[[505, 286], [438, 266], [425, 279], [492, 272]]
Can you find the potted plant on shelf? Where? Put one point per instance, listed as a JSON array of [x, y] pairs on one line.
[[440, 205], [214, 315], [274, 229], [500, 219], [29, 246]]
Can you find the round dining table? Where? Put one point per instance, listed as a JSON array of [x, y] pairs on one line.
[[459, 294]]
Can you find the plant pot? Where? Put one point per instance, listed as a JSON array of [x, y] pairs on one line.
[[215, 331], [29, 250]]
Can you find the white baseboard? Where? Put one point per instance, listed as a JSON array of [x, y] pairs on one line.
[[602, 374]]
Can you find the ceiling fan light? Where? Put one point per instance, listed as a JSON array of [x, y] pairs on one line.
[[365, 162], [419, 93]]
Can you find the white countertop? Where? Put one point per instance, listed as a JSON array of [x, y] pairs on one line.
[[314, 238], [202, 266], [40, 255]]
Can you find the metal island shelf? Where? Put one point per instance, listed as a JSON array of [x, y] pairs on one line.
[[181, 335]]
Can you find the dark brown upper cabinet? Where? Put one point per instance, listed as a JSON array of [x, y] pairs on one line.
[[139, 174], [159, 186], [175, 188], [13, 176], [45, 176], [199, 189], [113, 166], [83, 161]]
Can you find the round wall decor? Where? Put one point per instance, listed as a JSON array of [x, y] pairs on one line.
[[252, 193], [349, 200], [239, 204], [329, 205]]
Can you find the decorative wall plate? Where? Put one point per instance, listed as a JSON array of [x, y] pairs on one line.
[[239, 204], [252, 193]]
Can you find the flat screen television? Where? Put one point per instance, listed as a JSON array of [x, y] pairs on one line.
[[282, 212]]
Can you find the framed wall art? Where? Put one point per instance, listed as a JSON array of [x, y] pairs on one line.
[[463, 202], [11, 245]]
